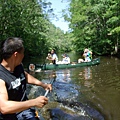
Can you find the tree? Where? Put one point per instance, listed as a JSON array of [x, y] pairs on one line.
[[95, 24]]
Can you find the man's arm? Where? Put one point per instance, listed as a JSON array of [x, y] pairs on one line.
[[33, 80], [8, 106]]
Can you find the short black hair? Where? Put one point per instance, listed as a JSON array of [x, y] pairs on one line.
[[11, 45]]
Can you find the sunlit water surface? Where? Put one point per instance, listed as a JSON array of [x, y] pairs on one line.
[[98, 85]]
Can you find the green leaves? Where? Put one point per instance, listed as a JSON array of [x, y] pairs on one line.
[[30, 21], [95, 24]]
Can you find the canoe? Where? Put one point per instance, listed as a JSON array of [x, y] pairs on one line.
[[33, 67]]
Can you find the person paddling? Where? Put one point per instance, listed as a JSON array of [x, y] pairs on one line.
[[54, 57], [87, 55], [14, 103]]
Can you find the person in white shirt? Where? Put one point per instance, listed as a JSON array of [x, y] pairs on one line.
[[54, 57], [66, 59]]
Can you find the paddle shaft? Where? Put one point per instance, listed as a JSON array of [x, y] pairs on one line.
[[47, 91]]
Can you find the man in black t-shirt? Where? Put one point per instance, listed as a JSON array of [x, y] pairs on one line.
[[14, 104]]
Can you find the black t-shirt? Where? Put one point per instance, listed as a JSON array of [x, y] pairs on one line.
[[15, 84]]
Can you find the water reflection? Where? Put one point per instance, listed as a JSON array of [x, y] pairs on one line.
[[63, 76], [86, 75], [99, 85]]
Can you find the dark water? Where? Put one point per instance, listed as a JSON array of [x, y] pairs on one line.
[[98, 85]]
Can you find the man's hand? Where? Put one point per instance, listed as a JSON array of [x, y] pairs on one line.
[[41, 101], [48, 87]]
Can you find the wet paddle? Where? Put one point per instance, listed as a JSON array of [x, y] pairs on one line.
[[46, 93], [51, 82]]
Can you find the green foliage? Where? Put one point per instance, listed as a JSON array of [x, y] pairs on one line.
[[30, 21], [23, 19], [95, 24]]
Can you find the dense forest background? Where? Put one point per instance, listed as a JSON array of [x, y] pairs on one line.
[[93, 24]]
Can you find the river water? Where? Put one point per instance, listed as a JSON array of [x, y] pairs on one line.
[[98, 85]]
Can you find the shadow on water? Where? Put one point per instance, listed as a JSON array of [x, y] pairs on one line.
[[67, 93], [89, 92]]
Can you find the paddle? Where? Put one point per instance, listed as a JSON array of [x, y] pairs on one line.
[[51, 82], [46, 93]]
